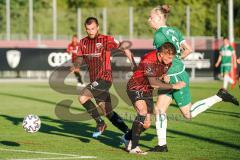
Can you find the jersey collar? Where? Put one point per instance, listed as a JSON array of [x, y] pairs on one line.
[[161, 27]]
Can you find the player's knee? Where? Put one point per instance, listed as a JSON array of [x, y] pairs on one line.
[[83, 99], [143, 112]]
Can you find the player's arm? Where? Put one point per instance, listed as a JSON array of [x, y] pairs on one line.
[[124, 48], [185, 49], [77, 64], [156, 83], [69, 51], [219, 60], [130, 56], [79, 60]]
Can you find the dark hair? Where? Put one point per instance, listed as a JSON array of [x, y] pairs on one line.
[[91, 20], [167, 48], [75, 35]]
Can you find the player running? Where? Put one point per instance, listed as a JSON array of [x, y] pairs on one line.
[[226, 55], [95, 51], [157, 20], [139, 89], [72, 49]]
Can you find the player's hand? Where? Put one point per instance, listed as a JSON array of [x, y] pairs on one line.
[[74, 69], [166, 79], [179, 85], [216, 65], [238, 60]]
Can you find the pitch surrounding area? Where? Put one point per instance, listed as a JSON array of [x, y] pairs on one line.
[[214, 134]]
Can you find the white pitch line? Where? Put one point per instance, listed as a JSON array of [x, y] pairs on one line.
[[80, 157], [47, 153]]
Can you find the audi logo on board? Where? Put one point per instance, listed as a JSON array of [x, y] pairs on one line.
[[56, 59]]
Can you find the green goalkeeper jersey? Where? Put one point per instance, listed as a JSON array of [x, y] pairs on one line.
[[226, 52], [168, 34]]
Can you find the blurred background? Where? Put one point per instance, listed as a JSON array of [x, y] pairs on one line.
[[37, 32]]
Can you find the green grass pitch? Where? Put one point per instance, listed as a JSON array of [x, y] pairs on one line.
[[214, 134]]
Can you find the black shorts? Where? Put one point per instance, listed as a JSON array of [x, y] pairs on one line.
[[100, 90], [140, 95]]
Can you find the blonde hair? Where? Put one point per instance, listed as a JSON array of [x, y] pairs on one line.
[[162, 10]]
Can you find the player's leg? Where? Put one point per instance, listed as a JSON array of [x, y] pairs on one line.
[[226, 78], [140, 123], [78, 76], [202, 105], [103, 99], [183, 99], [192, 110], [114, 118], [163, 101], [77, 73], [143, 104], [85, 99]]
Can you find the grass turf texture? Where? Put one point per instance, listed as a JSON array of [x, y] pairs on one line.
[[214, 134]]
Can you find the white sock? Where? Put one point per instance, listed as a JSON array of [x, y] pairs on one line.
[[161, 128], [225, 82], [230, 80], [202, 105]]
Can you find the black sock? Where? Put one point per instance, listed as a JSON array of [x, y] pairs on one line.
[[137, 129], [92, 110], [128, 135], [118, 122], [79, 78]]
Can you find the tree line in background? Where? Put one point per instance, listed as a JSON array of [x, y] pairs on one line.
[[203, 16]]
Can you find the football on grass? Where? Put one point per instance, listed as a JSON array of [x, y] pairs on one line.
[[31, 123]]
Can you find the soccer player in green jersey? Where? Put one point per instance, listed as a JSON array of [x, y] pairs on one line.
[[164, 33], [225, 58], [176, 72]]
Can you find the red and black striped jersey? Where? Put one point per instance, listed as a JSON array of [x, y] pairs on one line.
[[96, 54], [73, 49], [149, 66]]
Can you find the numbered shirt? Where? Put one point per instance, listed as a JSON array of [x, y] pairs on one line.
[[168, 34], [96, 54], [226, 52]]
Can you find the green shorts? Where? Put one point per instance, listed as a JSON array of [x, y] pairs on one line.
[[225, 69], [182, 96]]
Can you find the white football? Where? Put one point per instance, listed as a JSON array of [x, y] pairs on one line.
[[31, 123]]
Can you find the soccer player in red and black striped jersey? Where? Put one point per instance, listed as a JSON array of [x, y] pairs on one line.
[[152, 68], [72, 49], [95, 50]]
